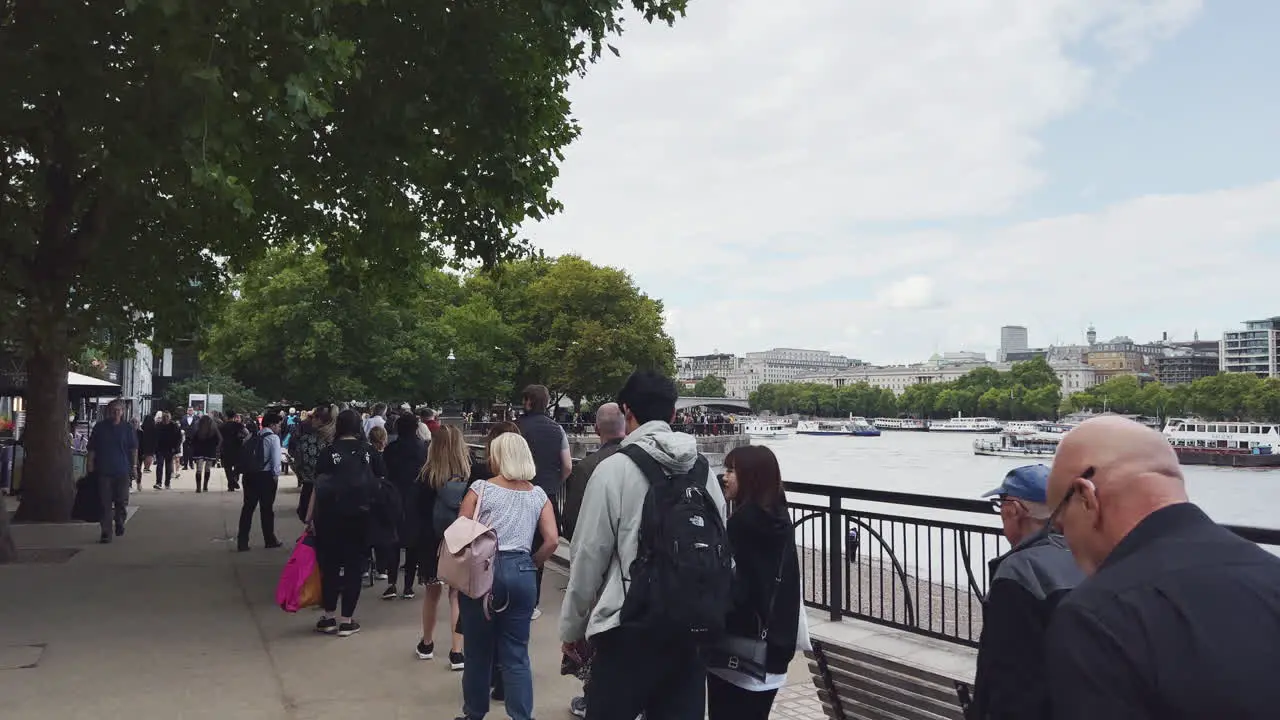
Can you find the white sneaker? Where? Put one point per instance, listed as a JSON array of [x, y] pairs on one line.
[[537, 613]]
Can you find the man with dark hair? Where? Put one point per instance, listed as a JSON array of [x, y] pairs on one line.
[[233, 435], [551, 457], [113, 455], [261, 480], [634, 669]]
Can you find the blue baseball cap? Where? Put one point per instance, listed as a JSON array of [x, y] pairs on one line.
[[1029, 482]]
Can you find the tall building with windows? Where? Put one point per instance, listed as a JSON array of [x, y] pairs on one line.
[[1013, 338], [1252, 350], [782, 365], [696, 367]]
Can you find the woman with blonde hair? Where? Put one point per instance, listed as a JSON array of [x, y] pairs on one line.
[[443, 482], [514, 508]]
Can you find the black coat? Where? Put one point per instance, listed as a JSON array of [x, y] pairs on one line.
[[404, 459], [760, 540], [168, 438]]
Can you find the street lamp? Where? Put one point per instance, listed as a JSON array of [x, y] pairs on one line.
[[451, 357]]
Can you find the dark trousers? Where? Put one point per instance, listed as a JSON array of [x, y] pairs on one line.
[[114, 493], [634, 672], [537, 538], [233, 474], [342, 559], [726, 701], [186, 455], [164, 469], [389, 563], [259, 492], [304, 500]]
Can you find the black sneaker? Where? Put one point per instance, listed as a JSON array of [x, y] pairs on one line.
[[105, 539], [408, 594], [327, 626], [274, 544], [119, 529], [426, 651], [157, 486], [242, 547], [348, 629], [457, 661], [390, 593]]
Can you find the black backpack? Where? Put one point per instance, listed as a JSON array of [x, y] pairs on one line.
[[682, 576], [253, 452], [348, 488]]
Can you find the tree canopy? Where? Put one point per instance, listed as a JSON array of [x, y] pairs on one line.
[[295, 331], [709, 386], [1030, 390], [1226, 396], [150, 149]]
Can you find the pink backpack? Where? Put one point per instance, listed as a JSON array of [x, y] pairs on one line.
[[467, 555], [302, 562]]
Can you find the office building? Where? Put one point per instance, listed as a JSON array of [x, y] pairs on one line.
[[1252, 350], [696, 367], [1013, 338]]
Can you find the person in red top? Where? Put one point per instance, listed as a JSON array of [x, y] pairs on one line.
[[428, 418]]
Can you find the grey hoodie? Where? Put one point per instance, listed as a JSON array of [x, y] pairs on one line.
[[607, 536]]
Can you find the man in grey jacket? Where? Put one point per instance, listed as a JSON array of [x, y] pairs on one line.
[[632, 670]]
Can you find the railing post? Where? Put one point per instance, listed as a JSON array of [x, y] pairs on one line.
[[835, 551]]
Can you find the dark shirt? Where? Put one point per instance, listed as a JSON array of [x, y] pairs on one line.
[[168, 438], [762, 541], [575, 488], [1027, 583], [546, 441], [113, 445], [1182, 620]]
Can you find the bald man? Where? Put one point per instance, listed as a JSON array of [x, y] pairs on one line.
[[611, 427], [1180, 618]]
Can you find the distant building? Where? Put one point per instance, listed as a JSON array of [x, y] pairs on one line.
[[1252, 350], [782, 365], [1013, 338], [1014, 356], [1185, 367], [1121, 356], [1073, 377], [696, 367], [962, 357]]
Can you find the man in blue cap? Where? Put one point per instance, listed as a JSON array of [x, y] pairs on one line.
[[1026, 584]]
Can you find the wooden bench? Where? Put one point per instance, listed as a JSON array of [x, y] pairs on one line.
[[853, 684]]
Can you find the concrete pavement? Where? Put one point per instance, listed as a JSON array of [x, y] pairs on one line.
[[170, 622]]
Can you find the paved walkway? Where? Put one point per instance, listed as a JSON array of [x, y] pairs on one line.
[[170, 622]]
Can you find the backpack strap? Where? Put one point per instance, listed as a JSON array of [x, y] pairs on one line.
[[652, 469]]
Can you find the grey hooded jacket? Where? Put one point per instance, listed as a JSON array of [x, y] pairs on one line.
[[607, 536]]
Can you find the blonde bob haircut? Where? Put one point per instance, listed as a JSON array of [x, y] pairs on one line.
[[509, 456]]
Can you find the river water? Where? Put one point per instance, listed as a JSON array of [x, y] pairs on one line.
[[944, 464]]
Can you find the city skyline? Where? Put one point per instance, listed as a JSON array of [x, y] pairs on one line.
[[903, 179]]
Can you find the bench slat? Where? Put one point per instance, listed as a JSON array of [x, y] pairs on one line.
[[897, 687]]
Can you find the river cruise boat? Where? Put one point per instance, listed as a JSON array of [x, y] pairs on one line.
[[967, 424], [769, 430], [1036, 426], [914, 424], [1018, 445], [1225, 444]]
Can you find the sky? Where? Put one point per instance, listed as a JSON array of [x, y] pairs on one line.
[[888, 180]]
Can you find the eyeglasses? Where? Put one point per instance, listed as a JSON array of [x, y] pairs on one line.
[[1052, 523], [998, 502]]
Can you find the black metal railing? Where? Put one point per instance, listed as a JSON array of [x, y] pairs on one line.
[[913, 562]]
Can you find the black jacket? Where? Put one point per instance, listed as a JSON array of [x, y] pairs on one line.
[[761, 540], [404, 459], [575, 488], [168, 438], [546, 439], [1026, 585]]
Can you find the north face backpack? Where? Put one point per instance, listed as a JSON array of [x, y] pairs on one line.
[[253, 452], [681, 579]]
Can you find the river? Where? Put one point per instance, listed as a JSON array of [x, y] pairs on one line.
[[944, 464]]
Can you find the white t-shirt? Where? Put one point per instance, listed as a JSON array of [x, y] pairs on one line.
[[373, 422]]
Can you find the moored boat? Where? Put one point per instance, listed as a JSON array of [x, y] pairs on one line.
[[769, 430], [914, 424], [1224, 443], [966, 424], [1018, 445]]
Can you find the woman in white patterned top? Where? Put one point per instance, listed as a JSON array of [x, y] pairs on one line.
[[514, 507]]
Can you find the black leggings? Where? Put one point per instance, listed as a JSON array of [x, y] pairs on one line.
[[346, 553], [726, 701], [389, 560]]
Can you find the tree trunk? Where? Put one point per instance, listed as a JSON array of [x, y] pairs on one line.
[[47, 486]]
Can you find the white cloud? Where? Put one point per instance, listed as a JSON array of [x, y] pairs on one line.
[[811, 173]]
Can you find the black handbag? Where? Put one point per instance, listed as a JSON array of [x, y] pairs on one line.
[[748, 655]]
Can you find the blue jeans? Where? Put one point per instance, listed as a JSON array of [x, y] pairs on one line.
[[506, 635]]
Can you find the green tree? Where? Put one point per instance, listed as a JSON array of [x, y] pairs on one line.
[[235, 396], [709, 386], [150, 147]]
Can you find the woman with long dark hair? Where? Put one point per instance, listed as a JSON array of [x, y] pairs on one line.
[[448, 461], [206, 442], [405, 457], [766, 587]]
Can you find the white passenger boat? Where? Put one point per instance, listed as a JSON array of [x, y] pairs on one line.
[[967, 424], [1224, 443], [853, 427], [769, 430], [1018, 445], [914, 424]]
